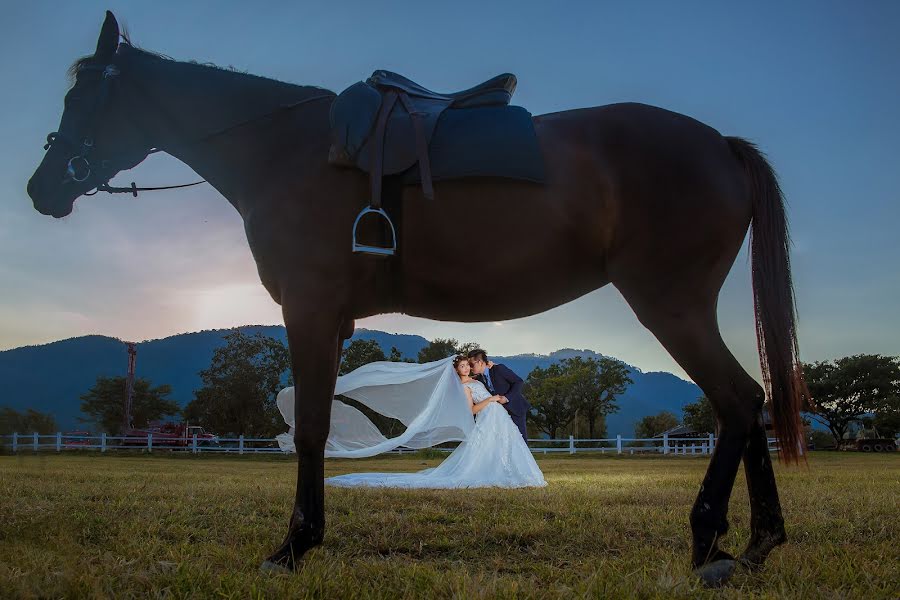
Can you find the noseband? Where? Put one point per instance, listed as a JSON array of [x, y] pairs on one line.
[[79, 167]]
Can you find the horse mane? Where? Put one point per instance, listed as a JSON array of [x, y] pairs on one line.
[[126, 45]]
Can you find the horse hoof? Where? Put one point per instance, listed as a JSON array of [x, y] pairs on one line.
[[274, 568], [716, 573]]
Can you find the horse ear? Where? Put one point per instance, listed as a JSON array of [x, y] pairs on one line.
[[108, 40]]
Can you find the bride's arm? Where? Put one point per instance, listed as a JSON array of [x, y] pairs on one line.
[[477, 408]]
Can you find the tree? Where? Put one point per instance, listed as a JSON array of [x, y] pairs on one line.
[[550, 393], [887, 423], [652, 425], [104, 404], [595, 385], [437, 349], [12, 421], [359, 353], [846, 389], [240, 386], [699, 415], [467, 347]]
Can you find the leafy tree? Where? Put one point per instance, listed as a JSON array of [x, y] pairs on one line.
[[104, 404], [652, 425], [437, 349], [467, 347], [442, 348], [887, 423], [359, 353], [821, 439], [240, 385], [12, 421], [549, 392], [699, 415], [846, 389], [595, 385]]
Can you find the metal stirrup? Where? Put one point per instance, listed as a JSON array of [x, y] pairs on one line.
[[376, 250]]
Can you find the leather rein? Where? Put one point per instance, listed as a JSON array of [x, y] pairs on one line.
[[79, 168]]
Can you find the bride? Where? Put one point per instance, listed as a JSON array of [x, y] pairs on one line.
[[492, 452]]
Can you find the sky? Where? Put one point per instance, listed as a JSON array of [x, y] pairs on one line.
[[815, 84]]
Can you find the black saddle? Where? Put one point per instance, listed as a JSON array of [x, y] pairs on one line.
[[385, 125], [497, 90], [381, 125]]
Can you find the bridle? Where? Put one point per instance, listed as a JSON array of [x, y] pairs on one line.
[[79, 167]]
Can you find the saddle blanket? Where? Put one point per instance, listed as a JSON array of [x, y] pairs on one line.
[[490, 141]]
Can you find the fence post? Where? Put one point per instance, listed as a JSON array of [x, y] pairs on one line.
[[666, 443], [241, 444], [35, 441], [618, 443], [194, 444], [58, 441], [103, 442], [712, 442], [15, 442], [149, 442]]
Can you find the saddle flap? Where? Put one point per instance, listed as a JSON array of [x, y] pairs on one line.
[[352, 115], [400, 151]]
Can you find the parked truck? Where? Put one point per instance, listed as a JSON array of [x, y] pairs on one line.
[[166, 434]]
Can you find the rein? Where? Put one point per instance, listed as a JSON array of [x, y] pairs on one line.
[[79, 167]]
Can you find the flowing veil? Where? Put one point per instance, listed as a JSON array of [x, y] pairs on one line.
[[426, 398]]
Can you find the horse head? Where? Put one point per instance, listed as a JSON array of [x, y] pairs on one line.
[[96, 138]]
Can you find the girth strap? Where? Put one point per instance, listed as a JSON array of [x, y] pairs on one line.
[[390, 98], [421, 146]]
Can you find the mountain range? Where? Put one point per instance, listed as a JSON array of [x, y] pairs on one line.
[[51, 377]]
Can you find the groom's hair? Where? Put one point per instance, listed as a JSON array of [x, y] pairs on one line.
[[478, 354]]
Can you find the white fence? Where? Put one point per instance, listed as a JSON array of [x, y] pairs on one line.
[[58, 442]]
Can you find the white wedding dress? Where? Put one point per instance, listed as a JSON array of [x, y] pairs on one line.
[[492, 455]]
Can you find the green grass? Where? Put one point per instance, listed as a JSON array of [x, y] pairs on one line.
[[158, 526]]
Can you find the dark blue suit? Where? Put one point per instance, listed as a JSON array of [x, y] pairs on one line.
[[506, 383]]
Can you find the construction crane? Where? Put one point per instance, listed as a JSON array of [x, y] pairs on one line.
[[129, 386]]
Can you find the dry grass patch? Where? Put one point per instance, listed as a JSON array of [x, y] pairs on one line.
[[185, 526]]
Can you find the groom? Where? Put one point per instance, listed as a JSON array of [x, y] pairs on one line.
[[501, 381]]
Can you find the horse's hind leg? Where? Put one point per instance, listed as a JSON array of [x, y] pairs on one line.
[[689, 331], [315, 338], [766, 521]]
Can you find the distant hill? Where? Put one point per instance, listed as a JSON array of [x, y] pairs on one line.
[[51, 377]]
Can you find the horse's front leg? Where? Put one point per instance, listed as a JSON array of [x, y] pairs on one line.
[[315, 337]]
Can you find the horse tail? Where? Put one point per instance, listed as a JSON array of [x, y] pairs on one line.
[[773, 300]]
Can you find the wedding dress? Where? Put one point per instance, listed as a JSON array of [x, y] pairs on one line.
[[494, 455], [430, 401]]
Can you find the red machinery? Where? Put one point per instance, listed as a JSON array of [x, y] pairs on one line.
[[169, 435], [164, 433]]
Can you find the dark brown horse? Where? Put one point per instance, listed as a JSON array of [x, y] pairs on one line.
[[651, 201]]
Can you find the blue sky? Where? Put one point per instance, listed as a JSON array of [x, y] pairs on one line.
[[815, 84]]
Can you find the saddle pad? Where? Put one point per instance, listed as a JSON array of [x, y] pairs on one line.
[[491, 141]]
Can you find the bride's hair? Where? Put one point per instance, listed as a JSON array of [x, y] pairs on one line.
[[458, 360]]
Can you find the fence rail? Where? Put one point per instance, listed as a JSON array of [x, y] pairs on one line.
[[58, 442]]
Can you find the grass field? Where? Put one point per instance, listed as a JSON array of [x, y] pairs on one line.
[[187, 526]]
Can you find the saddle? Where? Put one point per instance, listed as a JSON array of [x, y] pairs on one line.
[[385, 125]]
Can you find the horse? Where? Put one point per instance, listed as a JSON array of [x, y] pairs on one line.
[[648, 200]]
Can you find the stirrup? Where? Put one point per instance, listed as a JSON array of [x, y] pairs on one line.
[[376, 250]]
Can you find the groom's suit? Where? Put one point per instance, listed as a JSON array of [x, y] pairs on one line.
[[502, 381]]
